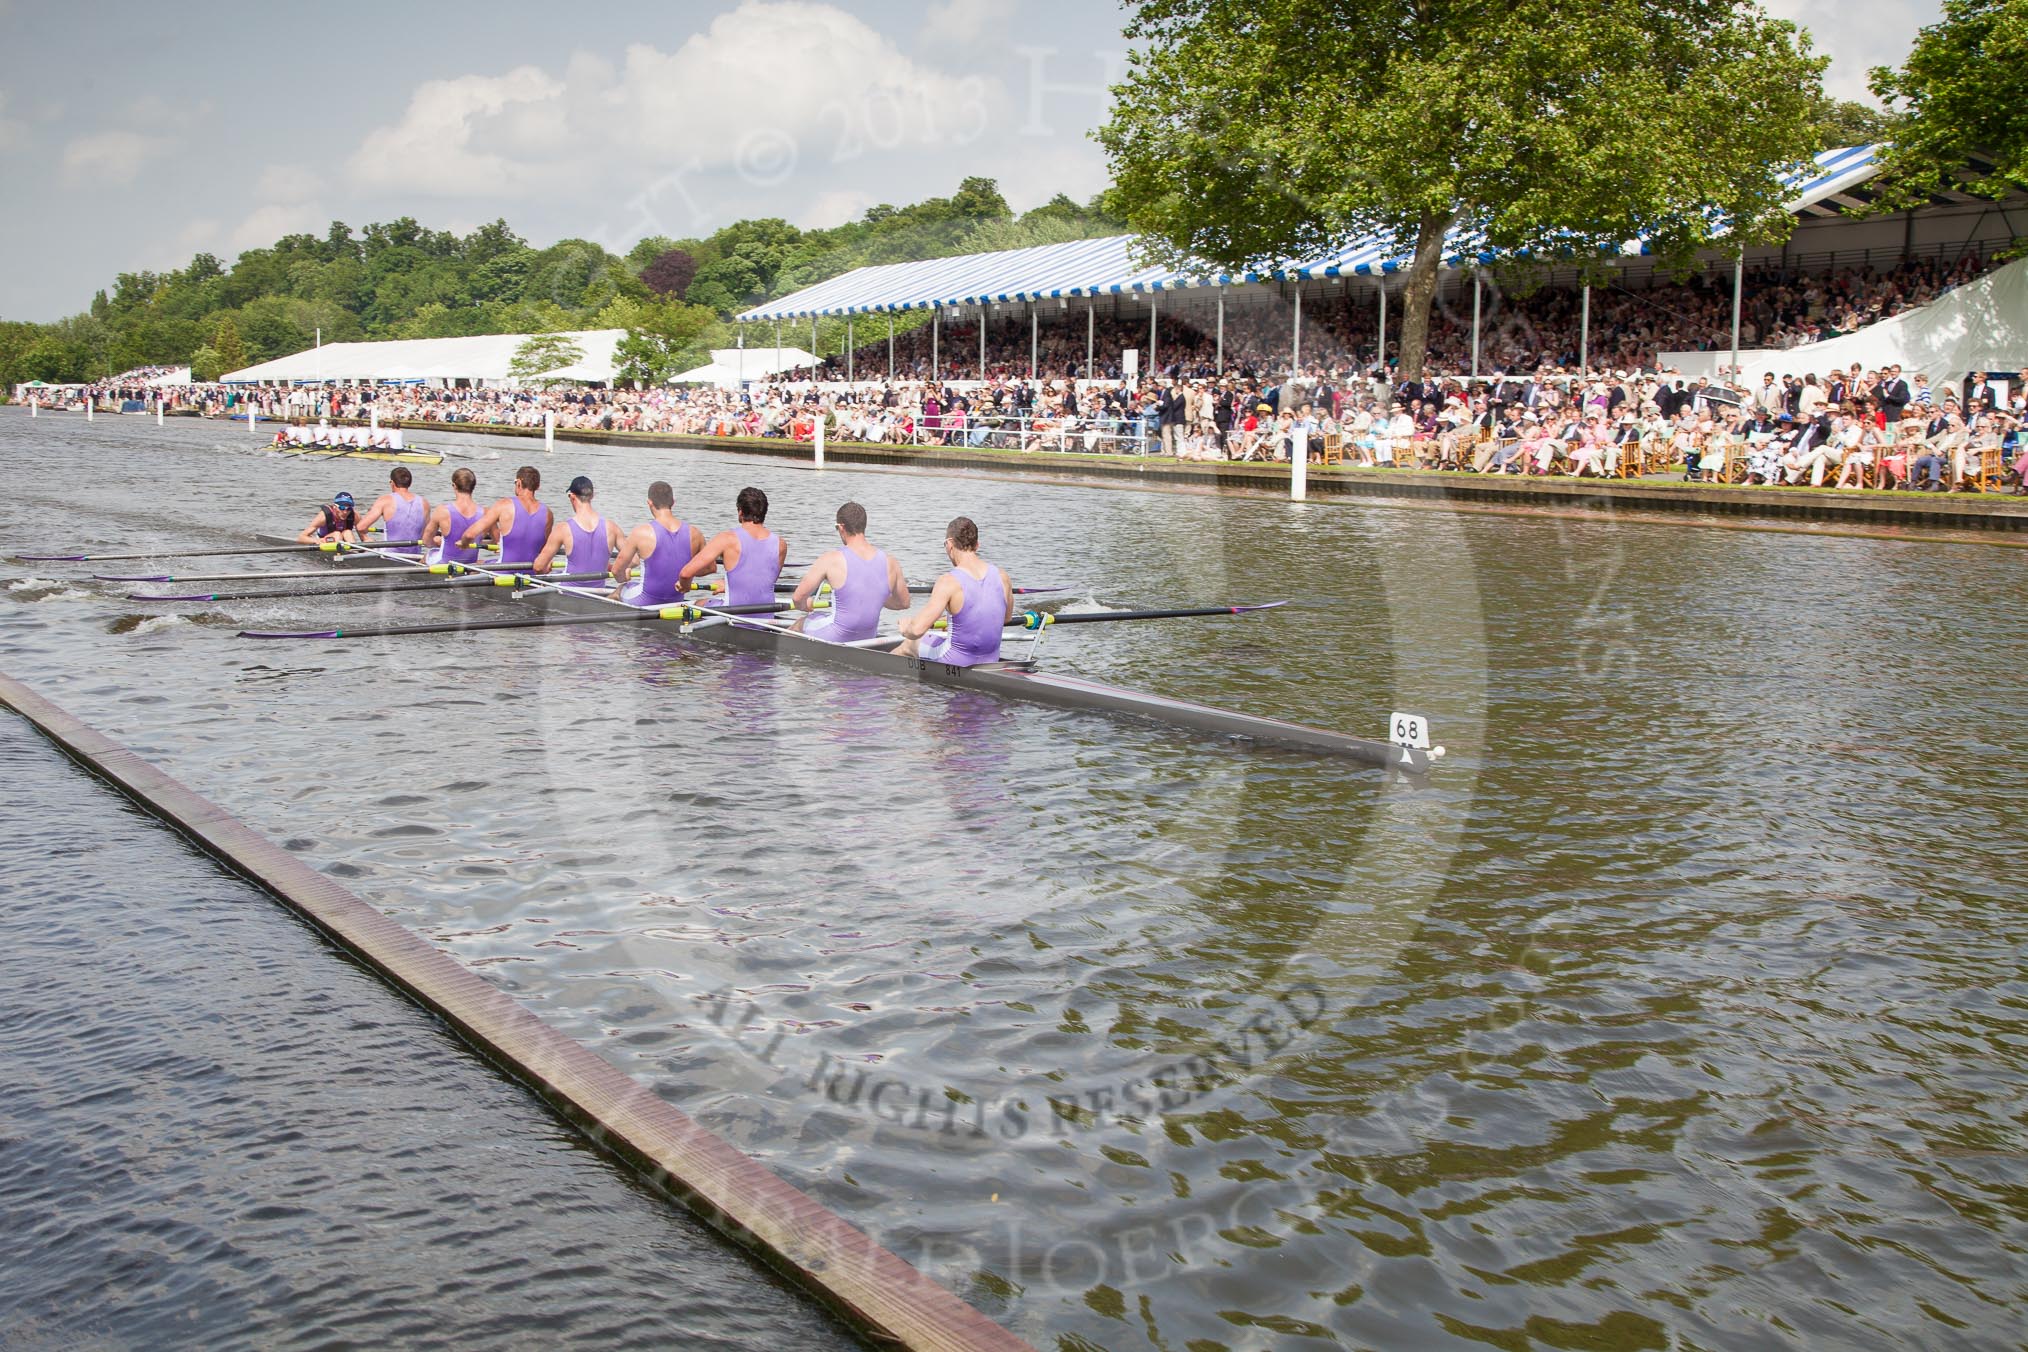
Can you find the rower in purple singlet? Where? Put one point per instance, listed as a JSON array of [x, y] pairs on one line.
[[661, 545], [403, 511], [448, 523], [519, 523], [976, 596], [864, 581], [752, 554], [336, 518], [584, 538]]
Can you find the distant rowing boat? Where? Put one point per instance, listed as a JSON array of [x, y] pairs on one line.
[[1007, 679], [412, 455]]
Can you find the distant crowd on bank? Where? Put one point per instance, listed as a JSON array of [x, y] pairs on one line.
[[1882, 428]]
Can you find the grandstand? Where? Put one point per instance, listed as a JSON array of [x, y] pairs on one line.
[[1079, 308]]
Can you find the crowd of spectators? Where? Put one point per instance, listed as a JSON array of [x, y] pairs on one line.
[[1532, 415], [1628, 328]]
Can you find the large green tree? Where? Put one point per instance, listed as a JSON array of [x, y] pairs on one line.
[[225, 341], [1964, 93], [541, 354], [1249, 133]]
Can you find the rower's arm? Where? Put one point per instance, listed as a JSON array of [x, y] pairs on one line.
[[630, 549], [1007, 586], [706, 559], [818, 573], [559, 536], [481, 528], [934, 609], [434, 526], [897, 586], [377, 512], [309, 535]]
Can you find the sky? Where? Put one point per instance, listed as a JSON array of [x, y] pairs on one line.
[[133, 136]]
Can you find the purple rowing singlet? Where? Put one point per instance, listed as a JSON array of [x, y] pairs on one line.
[[976, 629], [590, 552], [523, 540], [659, 586], [450, 551], [751, 581], [856, 606], [405, 522]]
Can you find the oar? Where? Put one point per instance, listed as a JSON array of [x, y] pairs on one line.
[[916, 588], [436, 584], [1036, 619], [326, 547], [682, 614], [325, 573]]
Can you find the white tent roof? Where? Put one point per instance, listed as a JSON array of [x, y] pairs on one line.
[[731, 365], [1114, 266], [1981, 326], [482, 358]]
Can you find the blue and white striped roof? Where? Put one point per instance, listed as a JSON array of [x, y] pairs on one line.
[[1107, 267]]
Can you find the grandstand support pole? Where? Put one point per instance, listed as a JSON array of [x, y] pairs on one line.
[[983, 312], [1476, 300], [549, 430], [1295, 347], [851, 368], [815, 356], [1219, 360], [1090, 336], [1380, 353], [1584, 334], [890, 346], [1034, 341], [936, 325], [1151, 337], [778, 347], [1738, 293]]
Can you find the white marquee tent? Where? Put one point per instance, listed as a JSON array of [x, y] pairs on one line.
[[731, 366], [434, 361], [1981, 326]]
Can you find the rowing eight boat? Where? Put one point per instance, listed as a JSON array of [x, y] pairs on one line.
[[414, 455], [1007, 679]]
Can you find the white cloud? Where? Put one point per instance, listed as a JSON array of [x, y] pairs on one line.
[[1858, 35], [430, 149], [963, 23], [108, 159], [772, 90]]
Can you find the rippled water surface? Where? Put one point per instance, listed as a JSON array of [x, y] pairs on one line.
[[1684, 1006], [217, 1132]]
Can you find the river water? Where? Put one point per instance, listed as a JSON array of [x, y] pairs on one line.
[[1682, 1006]]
